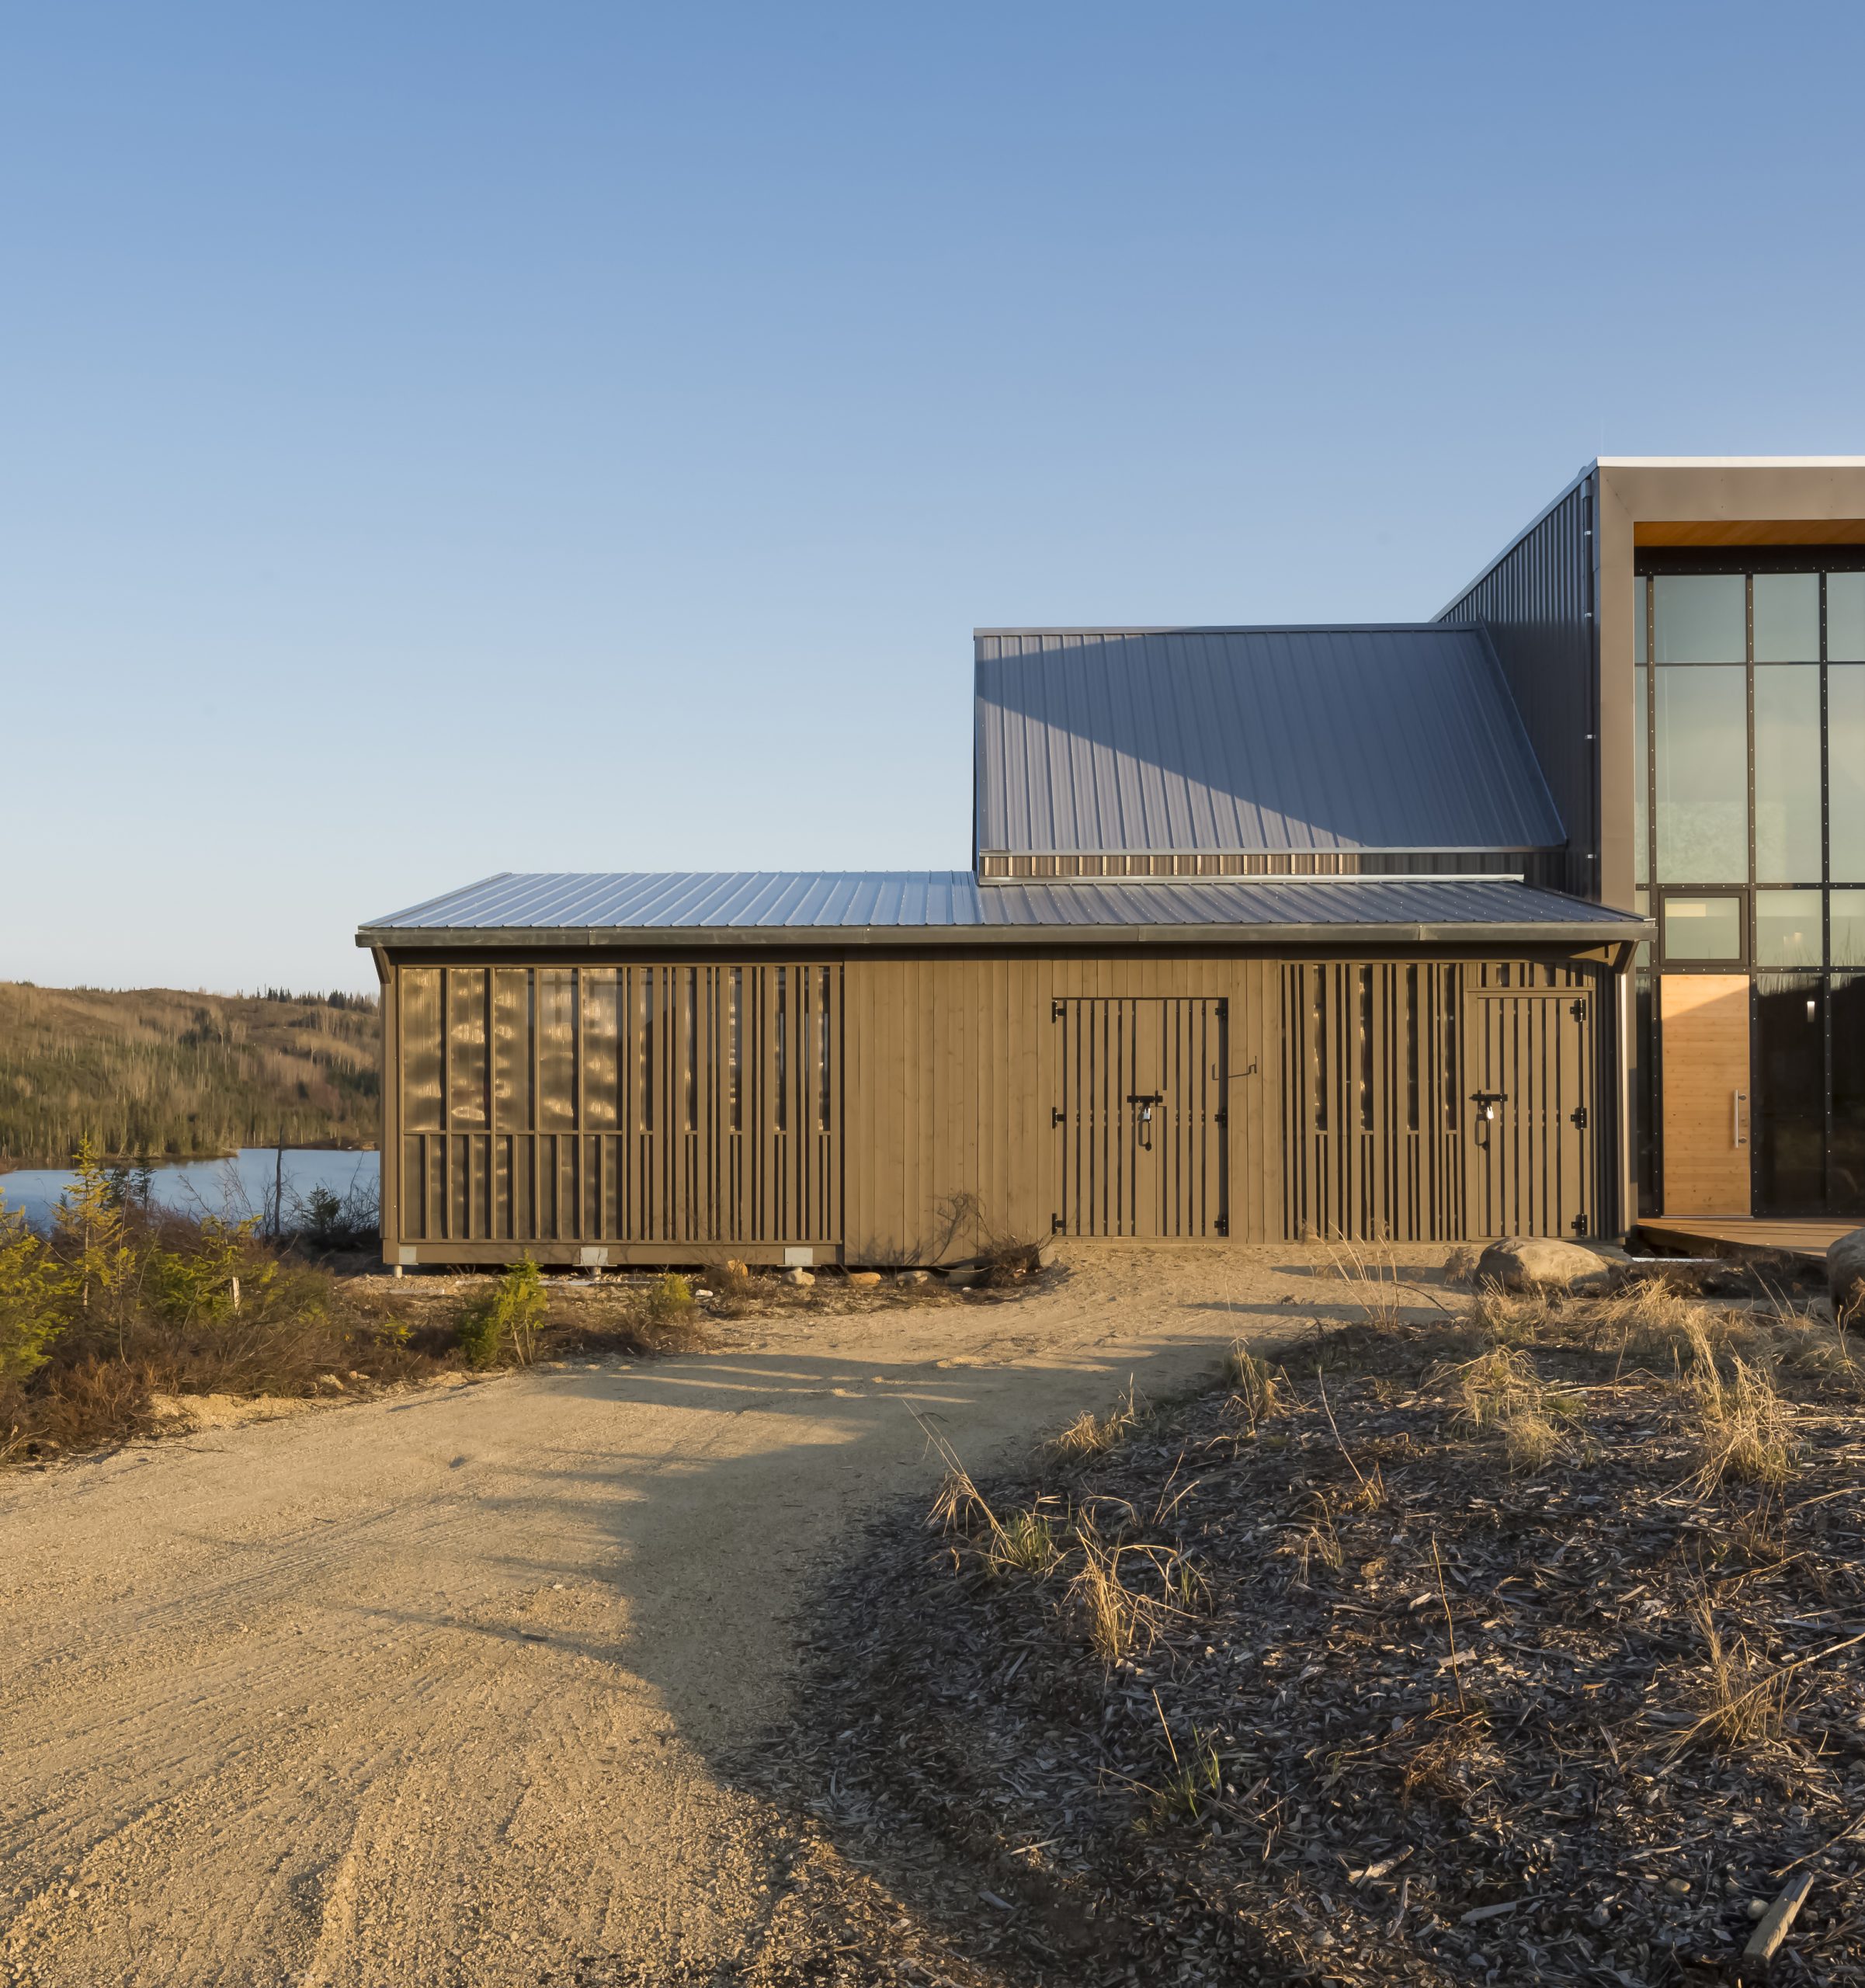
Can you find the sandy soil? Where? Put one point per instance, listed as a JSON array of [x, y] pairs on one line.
[[436, 1689]]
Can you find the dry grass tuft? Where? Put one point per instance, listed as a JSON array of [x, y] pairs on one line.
[[1460, 1265], [1500, 1392], [1373, 1283], [1025, 1543], [1746, 1698], [1741, 1428], [1092, 1435], [1512, 1318], [1253, 1383]]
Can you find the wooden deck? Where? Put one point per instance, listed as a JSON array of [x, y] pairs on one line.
[[1709, 1235]]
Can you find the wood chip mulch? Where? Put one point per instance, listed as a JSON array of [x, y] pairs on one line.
[[1392, 1712]]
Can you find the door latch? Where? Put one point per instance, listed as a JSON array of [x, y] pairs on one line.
[[1486, 1102], [1143, 1125]]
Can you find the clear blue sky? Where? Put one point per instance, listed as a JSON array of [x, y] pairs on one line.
[[444, 438]]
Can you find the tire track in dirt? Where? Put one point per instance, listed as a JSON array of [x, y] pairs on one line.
[[429, 1689]]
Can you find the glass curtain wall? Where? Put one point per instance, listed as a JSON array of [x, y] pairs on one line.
[[1750, 831]]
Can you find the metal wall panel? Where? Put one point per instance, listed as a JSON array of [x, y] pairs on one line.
[[1539, 604]]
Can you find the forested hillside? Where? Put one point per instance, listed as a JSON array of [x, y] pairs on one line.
[[169, 1074]]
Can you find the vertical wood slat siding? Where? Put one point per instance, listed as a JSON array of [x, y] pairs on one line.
[[954, 1070], [604, 1095], [1534, 1174], [1537, 603], [1356, 1165], [945, 1073]]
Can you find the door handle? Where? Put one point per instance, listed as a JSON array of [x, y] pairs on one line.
[[1143, 1121], [1739, 1128]]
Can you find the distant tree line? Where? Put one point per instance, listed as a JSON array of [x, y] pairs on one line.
[[163, 1074]]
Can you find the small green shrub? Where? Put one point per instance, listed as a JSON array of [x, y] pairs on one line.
[[202, 1285], [669, 1301], [503, 1324], [34, 1292]]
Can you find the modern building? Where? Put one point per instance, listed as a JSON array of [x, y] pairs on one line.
[[1684, 639], [1269, 933]]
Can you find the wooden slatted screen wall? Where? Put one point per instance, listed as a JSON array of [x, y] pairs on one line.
[[631, 1104], [1122, 1173], [1379, 1062]]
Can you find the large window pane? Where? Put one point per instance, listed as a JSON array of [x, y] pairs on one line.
[[1702, 776], [1641, 765], [1845, 617], [1786, 773], [1788, 928], [1845, 1177], [1705, 931], [1790, 1115], [1845, 772], [1848, 928], [1701, 617], [1786, 617]]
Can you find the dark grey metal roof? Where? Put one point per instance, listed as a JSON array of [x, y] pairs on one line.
[[1396, 737], [903, 906]]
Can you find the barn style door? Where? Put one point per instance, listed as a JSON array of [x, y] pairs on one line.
[[1141, 1117], [1529, 1074]]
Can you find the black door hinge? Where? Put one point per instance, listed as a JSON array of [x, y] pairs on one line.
[[1578, 1011], [1579, 1115], [1057, 1009], [1221, 1117], [1055, 1225], [1222, 1225], [1055, 1115], [1578, 1225]]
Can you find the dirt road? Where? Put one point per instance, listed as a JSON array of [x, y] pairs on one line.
[[432, 1690]]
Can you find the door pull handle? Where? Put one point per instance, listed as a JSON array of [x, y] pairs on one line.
[[1739, 1128]]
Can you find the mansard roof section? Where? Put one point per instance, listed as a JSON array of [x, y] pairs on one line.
[[1399, 737]]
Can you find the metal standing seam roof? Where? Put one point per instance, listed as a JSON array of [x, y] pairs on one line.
[[770, 907], [1388, 737]]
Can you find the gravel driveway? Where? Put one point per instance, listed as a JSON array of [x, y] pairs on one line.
[[429, 1689]]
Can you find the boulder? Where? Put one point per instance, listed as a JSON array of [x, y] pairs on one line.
[[1845, 1278], [915, 1277], [734, 1268], [1522, 1262], [1045, 1256], [798, 1276], [864, 1279]]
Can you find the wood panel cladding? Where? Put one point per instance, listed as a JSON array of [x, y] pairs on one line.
[[651, 1103], [894, 1106], [1434, 1101], [1705, 1021]]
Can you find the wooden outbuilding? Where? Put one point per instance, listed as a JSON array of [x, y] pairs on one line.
[[1256, 945]]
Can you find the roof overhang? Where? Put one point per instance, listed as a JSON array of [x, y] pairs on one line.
[[865, 938]]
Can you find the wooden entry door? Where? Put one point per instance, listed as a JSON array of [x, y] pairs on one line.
[[1704, 1020], [1140, 1118], [1528, 1068]]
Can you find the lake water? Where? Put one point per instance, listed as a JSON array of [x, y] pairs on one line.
[[233, 1188]]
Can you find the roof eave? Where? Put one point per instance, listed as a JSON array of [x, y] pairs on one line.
[[584, 937]]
